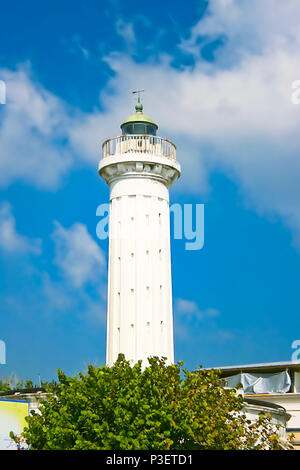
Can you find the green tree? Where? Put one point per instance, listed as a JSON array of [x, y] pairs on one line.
[[159, 407], [5, 385], [13, 383]]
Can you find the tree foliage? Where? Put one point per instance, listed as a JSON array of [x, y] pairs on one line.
[[161, 407], [4, 385], [13, 383]]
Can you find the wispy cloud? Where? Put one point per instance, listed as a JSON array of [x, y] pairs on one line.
[[10, 240], [33, 130], [78, 284], [75, 46], [193, 322], [190, 310], [77, 254], [245, 27], [126, 31]]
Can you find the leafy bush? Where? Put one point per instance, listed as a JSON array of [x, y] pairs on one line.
[[159, 407]]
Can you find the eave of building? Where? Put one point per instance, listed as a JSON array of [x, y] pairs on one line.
[[270, 366], [286, 395]]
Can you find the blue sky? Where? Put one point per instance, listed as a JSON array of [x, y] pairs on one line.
[[218, 78]]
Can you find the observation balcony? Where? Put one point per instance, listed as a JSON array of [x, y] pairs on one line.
[[136, 144]]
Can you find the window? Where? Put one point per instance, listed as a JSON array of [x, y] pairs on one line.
[[139, 128]]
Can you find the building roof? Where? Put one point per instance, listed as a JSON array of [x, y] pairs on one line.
[[260, 366]]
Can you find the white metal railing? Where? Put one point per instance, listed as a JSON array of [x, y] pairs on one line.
[[136, 143]]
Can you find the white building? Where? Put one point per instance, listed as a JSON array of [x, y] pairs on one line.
[[275, 383], [139, 168], [15, 405]]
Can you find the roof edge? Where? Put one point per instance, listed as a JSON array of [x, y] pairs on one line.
[[257, 366]]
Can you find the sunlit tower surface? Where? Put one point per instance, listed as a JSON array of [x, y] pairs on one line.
[[139, 168]]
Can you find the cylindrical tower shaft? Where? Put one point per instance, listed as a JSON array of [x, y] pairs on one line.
[[140, 319]]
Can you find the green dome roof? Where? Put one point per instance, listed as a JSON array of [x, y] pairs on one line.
[[139, 116]]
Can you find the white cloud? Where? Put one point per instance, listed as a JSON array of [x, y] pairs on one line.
[[79, 257], [126, 31], [234, 114], [186, 306], [75, 46], [78, 287], [190, 310], [57, 297], [52, 297], [33, 128], [10, 240], [246, 27], [192, 324]]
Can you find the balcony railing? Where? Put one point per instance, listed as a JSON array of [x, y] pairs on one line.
[[136, 143]]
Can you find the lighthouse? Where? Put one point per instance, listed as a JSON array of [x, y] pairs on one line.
[[139, 168]]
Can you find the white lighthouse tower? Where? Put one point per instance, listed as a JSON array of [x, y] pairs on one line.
[[139, 168]]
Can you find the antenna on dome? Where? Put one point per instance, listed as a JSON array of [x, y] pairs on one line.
[[138, 93]]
